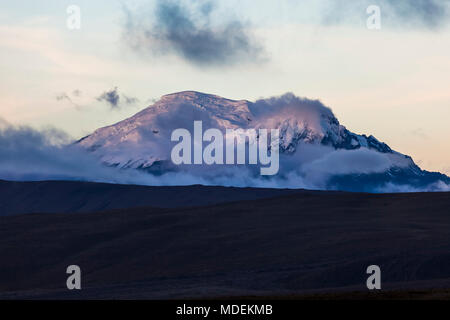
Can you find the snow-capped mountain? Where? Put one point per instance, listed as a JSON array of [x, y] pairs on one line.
[[316, 151]]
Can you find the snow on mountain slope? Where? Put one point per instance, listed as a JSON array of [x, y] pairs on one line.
[[135, 142], [144, 138], [314, 146]]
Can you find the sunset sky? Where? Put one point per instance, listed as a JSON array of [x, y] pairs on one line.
[[392, 83]]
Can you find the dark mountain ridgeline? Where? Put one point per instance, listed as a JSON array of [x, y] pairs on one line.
[[77, 196]]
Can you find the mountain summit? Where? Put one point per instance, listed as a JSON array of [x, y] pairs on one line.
[[316, 151]]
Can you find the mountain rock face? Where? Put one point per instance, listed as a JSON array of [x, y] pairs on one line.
[[316, 151]]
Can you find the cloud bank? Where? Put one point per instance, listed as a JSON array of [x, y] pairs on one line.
[[186, 29], [30, 155]]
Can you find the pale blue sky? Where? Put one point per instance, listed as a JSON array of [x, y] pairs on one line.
[[392, 83]]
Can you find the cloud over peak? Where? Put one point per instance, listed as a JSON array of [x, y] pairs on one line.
[[187, 30]]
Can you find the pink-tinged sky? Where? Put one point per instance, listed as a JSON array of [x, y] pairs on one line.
[[392, 83]]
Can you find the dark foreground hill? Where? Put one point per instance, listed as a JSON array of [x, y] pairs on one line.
[[76, 196], [285, 246]]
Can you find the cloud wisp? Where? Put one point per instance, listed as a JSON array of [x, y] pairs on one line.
[[63, 96], [428, 14], [116, 100], [186, 30]]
